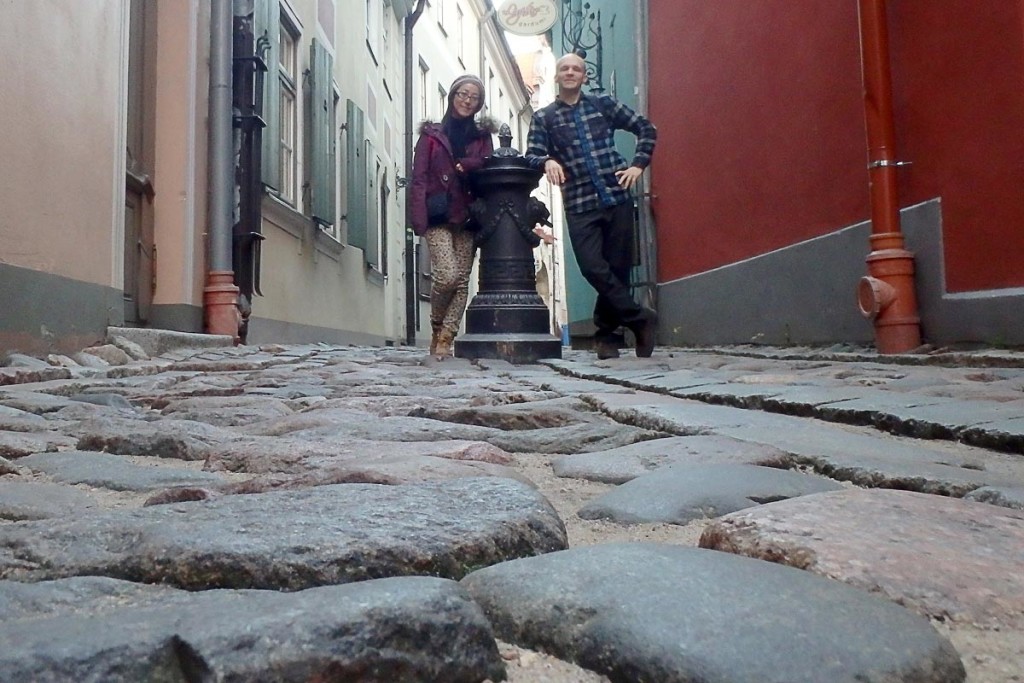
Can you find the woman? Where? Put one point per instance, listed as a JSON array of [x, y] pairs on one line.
[[445, 154]]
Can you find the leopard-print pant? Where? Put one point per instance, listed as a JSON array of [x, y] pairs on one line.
[[451, 260]]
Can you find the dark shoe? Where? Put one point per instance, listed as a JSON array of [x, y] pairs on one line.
[[606, 350], [645, 335]]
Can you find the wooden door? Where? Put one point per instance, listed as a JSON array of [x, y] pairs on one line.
[[139, 251]]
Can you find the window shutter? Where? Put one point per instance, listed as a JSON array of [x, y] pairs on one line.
[[372, 208], [321, 140], [355, 167], [268, 28]]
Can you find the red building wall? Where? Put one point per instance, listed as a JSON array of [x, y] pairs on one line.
[[958, 82], [761, 128]]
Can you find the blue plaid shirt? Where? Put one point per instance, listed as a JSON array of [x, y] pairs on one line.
[[580, 138]]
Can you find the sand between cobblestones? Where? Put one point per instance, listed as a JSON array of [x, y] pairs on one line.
[[988, 656]]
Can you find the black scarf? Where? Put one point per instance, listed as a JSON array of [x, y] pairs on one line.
[[459, 133]]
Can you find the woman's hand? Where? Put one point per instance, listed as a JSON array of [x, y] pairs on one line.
[[545, 234], [458, 167]]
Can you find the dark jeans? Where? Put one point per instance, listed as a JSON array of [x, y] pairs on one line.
[[603, 243]]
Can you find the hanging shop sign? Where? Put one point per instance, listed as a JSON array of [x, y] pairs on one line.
[[527, 17]]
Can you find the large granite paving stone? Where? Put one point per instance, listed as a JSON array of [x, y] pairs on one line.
[[989, 424], [558, 412], [332, 413], [571, 386], [857, 405], [19, 444], [107, 399], [862, 457], [922, 417], [651, 612], [10, 375], [409, 629], [35, 402], [576, 438], [678, 494], [291, 540], [32, 500], [360, 425], [376, 469], [12, 420], [942, 557], [1004, 496], [227, 411], [597, 434], [1005, 435], [162, 438], [619, 465], [114, 472], [263, 455]]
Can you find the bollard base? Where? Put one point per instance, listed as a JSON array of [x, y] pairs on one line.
[[516, 348]]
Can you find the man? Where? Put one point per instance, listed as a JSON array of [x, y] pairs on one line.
[[571, 140]]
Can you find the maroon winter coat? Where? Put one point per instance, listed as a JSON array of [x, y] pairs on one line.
[[433, 170]]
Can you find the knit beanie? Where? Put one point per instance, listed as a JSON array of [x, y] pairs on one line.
[[467, 79]]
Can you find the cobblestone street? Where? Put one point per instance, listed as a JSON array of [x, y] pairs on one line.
[[353, 513]]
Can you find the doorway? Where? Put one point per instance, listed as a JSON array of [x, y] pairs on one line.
[[139, 249]]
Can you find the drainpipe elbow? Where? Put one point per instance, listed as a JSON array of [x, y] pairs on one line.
[[874, 296]]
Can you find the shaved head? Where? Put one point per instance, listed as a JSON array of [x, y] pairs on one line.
[[571, 57]]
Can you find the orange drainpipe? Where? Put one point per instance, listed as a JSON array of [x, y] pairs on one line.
[[886, 295]]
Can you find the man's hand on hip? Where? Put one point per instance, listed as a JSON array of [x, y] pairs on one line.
[[628, 176], [553, 171]]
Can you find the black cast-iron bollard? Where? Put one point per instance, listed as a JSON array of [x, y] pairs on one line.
[[507, 319]]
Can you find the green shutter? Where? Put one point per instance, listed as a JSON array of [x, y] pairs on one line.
[[372, 208], [355, 167], [321, 140], [268, 24]]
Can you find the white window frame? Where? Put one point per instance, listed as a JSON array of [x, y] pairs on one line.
[[460, 35], [441, 16], [385, 47], [288, 68], [373, 20], [424, 92]]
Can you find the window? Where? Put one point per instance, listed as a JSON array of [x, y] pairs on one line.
[[442, 101], [385, 44], [289, 113], [424, 79], [460, 47], [490, 89], [373, 20], [441, 15]]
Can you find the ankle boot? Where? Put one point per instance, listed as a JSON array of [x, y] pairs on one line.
[[445, 341]]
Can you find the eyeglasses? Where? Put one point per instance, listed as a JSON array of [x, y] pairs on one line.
[[466, 96]]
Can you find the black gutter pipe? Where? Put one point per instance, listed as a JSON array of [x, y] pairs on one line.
[[411, 301]]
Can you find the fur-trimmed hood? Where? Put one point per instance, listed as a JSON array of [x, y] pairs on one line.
[[484, 124]]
